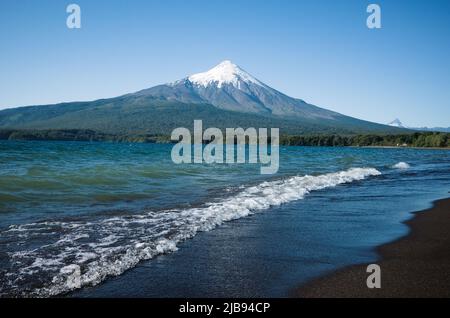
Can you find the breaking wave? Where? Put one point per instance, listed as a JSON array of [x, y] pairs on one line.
[[51, 258], [401, 165]]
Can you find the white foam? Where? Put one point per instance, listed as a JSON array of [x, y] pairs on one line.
[[120, 243], [401, 165]]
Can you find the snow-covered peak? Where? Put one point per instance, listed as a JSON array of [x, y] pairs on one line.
[[396, 123], [224, 73]]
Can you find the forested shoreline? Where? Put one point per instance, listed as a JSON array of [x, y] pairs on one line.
[[416, 139]]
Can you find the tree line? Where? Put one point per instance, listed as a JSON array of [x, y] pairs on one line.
[[417, 139]]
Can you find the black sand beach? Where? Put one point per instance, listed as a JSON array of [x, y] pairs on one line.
[[417, 265]]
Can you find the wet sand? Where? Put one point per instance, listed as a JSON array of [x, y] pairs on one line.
[[417, 265]]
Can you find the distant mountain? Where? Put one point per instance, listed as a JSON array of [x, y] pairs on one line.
[[396, 123], [439, 129], [225, 96]]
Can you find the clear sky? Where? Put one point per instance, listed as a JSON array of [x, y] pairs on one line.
[[320, 51]]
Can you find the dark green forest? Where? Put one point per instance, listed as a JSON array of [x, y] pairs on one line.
[[417, 139]]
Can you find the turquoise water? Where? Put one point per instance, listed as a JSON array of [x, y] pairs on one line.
[[101, 219]]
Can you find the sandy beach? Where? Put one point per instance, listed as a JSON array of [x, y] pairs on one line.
[[417, 265]]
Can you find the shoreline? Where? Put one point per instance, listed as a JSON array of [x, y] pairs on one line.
[[418, 140], [402, 147], [161, 140], [416, 265]]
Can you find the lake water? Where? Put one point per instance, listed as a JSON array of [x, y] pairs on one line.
[[104, 219]]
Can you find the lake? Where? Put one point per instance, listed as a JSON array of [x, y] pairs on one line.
[[118, 219]]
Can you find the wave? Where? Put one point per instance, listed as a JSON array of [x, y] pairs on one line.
[[52, 258], [401, 165]]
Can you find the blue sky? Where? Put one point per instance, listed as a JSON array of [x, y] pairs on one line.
[[320, 51]]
